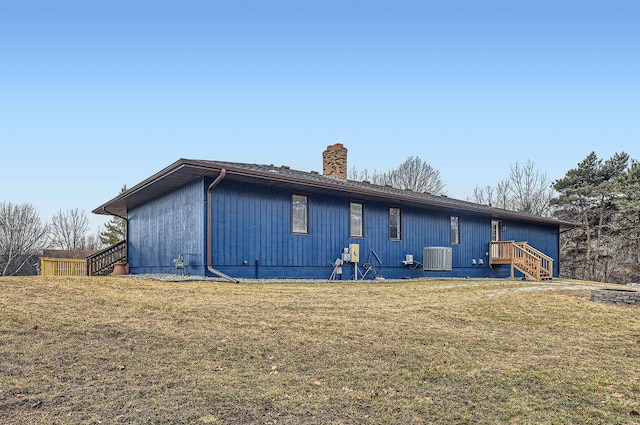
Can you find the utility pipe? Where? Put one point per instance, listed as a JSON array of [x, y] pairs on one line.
[[218, 273], [126, 236]]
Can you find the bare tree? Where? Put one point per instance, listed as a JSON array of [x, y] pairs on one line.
[[93, 242], [498, 196], [22, 236], [525, 190], [376, 177], [530, 189], [69, 229], [414, 174], [483, 195], [503, 194]]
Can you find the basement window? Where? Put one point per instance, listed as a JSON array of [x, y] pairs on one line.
[[356, 224], [394, 224], [455, 230], [300, 214]]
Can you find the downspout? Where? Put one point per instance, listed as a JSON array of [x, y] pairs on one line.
[[218, 273], [126, 220], [126, 236]]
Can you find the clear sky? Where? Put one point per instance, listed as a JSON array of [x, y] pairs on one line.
[[98, 94]]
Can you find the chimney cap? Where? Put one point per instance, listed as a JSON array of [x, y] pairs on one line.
[[335, 145]]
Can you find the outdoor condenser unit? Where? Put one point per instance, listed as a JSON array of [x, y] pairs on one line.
[[436, 258]]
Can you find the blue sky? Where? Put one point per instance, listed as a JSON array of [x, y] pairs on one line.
[[98, 94]]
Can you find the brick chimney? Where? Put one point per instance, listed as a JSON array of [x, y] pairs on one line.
[[334, 161]]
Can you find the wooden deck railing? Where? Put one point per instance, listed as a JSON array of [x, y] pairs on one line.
[[501, 252], [63, 266], [522, 256], [101, 262]]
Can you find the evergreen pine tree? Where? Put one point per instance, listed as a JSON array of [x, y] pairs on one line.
[[116, 229], [586, 195], [628, 224]]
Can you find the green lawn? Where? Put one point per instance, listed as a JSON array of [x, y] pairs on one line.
[[122, 350]]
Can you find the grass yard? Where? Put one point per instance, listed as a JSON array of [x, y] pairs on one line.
[[122, 350]]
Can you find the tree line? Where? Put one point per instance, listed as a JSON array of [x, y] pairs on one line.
[[24, 235], [603, 198], [600, 196]]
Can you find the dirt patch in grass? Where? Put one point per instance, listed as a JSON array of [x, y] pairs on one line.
[[110, 350]]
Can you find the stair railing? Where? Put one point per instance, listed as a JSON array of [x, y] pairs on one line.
[[524, 257], [101, 262], [544, 262]]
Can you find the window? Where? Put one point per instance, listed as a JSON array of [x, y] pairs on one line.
[[356, 227], [455, 230], [299, 214], [394, 223]]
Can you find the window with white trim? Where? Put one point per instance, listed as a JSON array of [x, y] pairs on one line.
[[299, 214], [356, 223], [395, 233], [455, 230]]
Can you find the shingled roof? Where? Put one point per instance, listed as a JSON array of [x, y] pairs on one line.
[[67, 253], [186, 170]]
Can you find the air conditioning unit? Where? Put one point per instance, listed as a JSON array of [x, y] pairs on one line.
[[437, 258]]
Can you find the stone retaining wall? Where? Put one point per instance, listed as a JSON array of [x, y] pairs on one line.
[[616, 296]]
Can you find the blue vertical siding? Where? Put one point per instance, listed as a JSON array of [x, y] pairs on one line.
[[165, 227], [542, 238], [253, 223], [251, 235]]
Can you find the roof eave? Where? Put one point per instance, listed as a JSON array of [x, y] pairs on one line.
[[191, 169], [118, 206]]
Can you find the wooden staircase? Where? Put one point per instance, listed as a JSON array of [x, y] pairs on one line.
[[101, 263], [522, 257]]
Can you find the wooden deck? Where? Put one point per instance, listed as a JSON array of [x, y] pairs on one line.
[[523, 257]]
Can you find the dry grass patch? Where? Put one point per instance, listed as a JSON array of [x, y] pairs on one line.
[[113, 350]]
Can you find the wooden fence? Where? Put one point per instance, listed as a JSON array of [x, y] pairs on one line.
[[63, 267]]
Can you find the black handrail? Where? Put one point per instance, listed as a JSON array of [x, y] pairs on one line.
[[100, 262]]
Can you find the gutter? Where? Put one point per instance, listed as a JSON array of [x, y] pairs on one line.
[[114, 214], [218, 273], [126, 220], [352, 188]]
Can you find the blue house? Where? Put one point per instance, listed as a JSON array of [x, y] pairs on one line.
[[235, 220]]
